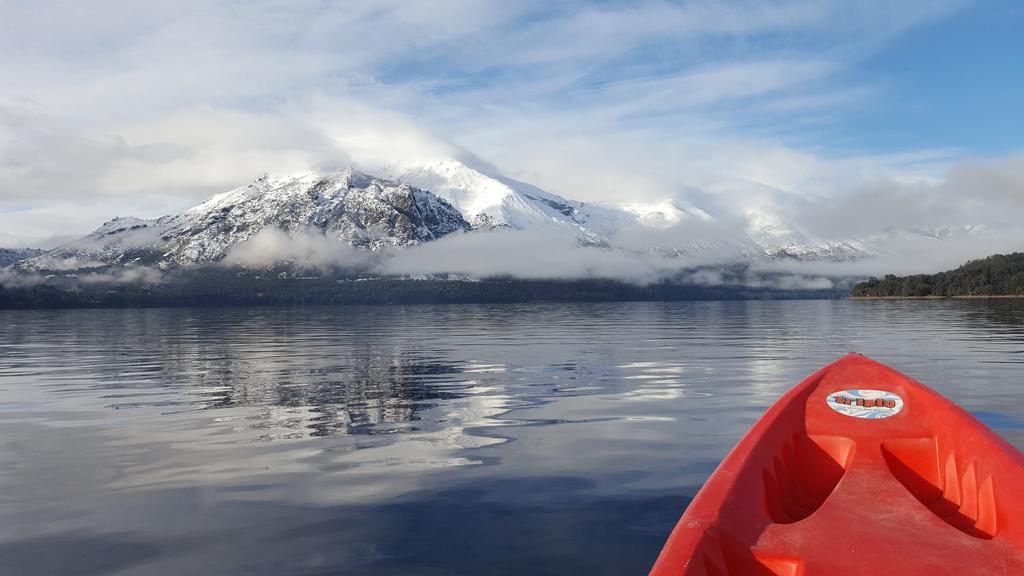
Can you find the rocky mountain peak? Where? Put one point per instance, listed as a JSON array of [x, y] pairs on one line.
[[347, 205]]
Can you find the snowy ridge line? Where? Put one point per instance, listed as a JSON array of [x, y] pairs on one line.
[[421, 203]]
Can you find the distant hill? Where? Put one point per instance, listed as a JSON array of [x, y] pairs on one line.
[[11, 255], [998, 275]]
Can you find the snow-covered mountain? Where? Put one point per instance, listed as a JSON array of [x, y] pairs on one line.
[[490, 200], [352, 207], [669, 227], [420, 203]]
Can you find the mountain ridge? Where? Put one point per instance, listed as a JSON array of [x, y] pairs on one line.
[[347, 205], [419, 203]]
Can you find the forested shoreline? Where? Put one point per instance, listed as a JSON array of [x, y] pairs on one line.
[[219, 286], [999, 275]]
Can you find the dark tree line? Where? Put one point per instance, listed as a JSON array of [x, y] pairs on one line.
[[217, 286], [998, 275]]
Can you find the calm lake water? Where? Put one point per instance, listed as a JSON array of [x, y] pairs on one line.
[[533, 439]]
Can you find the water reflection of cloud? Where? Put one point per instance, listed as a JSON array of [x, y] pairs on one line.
[[352, 470], [484, 368], [118, 418], [661, 380]]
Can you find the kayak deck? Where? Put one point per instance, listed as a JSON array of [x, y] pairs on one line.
[[857, 470]]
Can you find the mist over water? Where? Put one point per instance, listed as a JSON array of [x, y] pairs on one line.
[[532, 439]]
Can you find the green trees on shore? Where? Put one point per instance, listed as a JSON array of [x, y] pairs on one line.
[[998, 275]]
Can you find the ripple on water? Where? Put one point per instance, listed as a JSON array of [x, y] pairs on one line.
[[210, 433]]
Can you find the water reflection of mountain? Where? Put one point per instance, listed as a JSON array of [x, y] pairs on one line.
[[303, 375], [363, 392]]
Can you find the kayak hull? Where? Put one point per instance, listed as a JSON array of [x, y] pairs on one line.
[[857, 470]]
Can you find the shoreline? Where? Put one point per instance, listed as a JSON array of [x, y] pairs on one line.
[[960, 297]]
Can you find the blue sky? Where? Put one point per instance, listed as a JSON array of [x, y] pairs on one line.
[[954, 83], [125, 108], [953, 80]]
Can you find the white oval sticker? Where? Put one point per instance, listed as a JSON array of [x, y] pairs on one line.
[[871, 404]]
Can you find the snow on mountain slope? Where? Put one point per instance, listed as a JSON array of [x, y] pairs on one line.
[[424, 202], [779, 239], [9, 256], [120, 241], [497, 202], [352, 207], [359, 209], [669, 227], [491, 200]]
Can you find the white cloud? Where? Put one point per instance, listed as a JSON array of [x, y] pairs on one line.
[[508, 253], [272, 246], [125, 275], [519, 254], [117, 108]]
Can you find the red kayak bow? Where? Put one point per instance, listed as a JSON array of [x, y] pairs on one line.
[[857, 470]]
